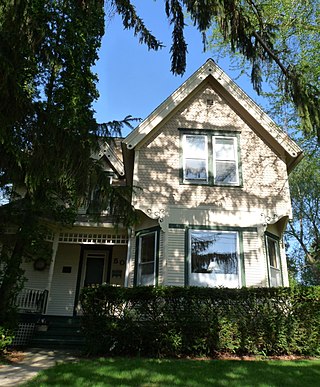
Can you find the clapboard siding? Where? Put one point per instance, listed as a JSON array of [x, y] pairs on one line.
[[132, 262], [119, 258], [284, 266], [35, 279], [254, 260], [62, 295], [176, 257], [161, 258]]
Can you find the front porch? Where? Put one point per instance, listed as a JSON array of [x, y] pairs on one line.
[[84, 256]]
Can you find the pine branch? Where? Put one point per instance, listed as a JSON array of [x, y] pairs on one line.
[[131, 20]]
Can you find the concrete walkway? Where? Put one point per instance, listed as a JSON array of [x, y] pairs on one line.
[[33, 361]]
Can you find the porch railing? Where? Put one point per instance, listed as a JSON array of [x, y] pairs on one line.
[[32, 300]]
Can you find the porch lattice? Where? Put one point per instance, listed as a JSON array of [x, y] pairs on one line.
[[107, 239]]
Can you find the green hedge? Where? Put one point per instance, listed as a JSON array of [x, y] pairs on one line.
[[193, 321]]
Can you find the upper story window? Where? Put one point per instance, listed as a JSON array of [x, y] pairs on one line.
[[195, 150], [210, 159]]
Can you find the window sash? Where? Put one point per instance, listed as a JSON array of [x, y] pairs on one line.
[[272, 251], [208, 158], [214, 252], [195, 160], [225, 161], [147, 259], [273, 258]]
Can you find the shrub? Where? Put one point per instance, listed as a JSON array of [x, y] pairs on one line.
[[193, 321], [6, 338]]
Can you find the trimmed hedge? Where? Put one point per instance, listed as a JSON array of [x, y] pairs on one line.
[[194, 321]]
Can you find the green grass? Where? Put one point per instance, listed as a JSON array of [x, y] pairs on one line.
[[194, 373]]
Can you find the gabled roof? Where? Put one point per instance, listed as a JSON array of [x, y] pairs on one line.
[[111, 149], [245, 107], [111, 155]]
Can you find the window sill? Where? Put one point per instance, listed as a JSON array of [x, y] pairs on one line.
[[210, 184]]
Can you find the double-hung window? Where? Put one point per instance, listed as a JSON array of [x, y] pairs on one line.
[[147, 251], [210, 159]]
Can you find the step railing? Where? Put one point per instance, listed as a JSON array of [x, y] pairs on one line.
[[32, 300]]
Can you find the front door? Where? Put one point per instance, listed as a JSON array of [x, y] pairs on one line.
[[95, 268]]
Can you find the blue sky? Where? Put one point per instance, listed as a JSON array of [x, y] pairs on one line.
[[134, 81]]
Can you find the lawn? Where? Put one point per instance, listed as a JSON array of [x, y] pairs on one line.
[[194, 373]]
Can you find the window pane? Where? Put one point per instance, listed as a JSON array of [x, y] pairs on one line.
[[226, 172], [147, 268], [147, 248], [272, 252], [224, 149], [214, 252], [195, 169], [195, 146], [195, 157]]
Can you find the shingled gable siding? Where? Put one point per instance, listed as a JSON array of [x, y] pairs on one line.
[[264, 174]]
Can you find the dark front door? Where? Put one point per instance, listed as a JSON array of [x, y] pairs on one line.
[[95, 267]]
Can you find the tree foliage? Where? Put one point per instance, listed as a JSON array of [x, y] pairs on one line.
[[295, 43], [47, 127], [303, 234], [268, 35]]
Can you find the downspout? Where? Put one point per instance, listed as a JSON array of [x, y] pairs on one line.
[[51, 269]]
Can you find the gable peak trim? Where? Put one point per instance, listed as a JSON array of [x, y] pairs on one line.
[[211, 70]]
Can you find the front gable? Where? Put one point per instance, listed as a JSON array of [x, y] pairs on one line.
[[262, 173], [233, 96]]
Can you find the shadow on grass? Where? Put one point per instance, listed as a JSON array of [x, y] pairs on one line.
[[153, 372]]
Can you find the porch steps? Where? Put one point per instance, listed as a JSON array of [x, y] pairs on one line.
[[62, 332]]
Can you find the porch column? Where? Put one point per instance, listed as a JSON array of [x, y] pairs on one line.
[[52, 263], [126, 278]]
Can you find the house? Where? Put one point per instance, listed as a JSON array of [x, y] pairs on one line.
[[212, 198]]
